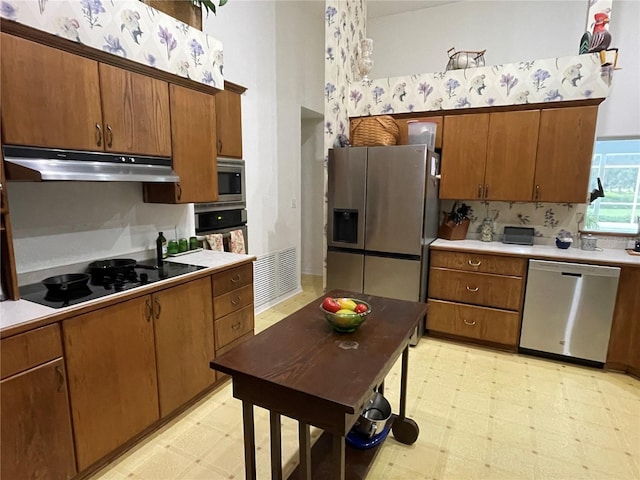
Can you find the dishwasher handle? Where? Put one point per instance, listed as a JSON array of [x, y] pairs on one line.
[[577, 269]]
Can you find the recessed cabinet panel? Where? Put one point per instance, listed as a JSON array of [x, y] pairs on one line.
[[183, 327], [135, 112], [511, 155], [50, 98], [565, 148], [113, 385], [36, 437], [464, 154], [229, 124]]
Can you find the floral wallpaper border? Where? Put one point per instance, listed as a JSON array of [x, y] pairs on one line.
[[537, 81], [128, 28]]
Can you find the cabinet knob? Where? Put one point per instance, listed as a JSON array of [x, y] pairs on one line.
[[469, 289], [471, 324], [235, 301], [474, 264], [479, 190], [148, 311], [219, 146], [235, 278], [236, 326], [537, 194], [486, 190], [179, 191]]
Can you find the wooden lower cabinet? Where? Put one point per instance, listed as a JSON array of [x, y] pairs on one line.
[[184, 341], [113, 384], [476, 296], [231, 327], [497, 291], [489, 324], [624, 342], [36, 437]]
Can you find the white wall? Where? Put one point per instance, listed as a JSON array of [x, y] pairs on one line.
[[275, 49], [512, 31], [62, 223], [312, 196]]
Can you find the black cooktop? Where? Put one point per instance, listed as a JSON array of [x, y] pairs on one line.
[[142, 274]]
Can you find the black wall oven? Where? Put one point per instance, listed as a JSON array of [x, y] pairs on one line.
[[222, 222]]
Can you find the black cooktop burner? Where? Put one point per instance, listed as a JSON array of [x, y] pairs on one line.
[[143, 274]]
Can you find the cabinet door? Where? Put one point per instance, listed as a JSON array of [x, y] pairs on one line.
[[624, 352], [36, 433], [183, 324], [229, 124], [136, 112], [565, 148], [511, 155], [50, 98], [193, 132], [112, 376], [464, 153]]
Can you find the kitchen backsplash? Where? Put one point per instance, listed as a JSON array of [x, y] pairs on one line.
[[547, 219]]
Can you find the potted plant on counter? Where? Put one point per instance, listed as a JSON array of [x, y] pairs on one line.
[[455, 223]]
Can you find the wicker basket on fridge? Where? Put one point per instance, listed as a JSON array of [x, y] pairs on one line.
[[372, 131]]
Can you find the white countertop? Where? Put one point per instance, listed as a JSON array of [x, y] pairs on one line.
[[13, 313], [605, 256]]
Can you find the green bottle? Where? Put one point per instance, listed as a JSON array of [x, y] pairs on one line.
[[161, 248]]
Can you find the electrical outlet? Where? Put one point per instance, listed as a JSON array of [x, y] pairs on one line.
[[294, 203]]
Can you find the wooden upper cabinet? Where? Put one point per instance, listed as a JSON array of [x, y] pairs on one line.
[[565, 148], [183, 327], [511, 155], [113, 384], [229, 124], [50, 98], [193, 132], [135, 110], [403, 124], [464, 153]]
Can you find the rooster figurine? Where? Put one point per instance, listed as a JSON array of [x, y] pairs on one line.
[[600, 39]]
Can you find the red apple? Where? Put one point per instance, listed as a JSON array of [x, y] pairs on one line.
[[330, 304], [361, 308]]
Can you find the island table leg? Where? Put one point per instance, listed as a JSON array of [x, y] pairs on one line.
[[249, 441], [304, 445], [276, 446]]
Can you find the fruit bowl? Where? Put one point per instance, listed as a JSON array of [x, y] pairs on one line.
[[346, 321]]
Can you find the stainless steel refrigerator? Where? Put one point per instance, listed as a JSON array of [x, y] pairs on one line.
[[382, 215]]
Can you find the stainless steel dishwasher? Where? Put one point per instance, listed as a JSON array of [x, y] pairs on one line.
[[568, 309]]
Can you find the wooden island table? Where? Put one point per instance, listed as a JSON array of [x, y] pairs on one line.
[[301, 368]]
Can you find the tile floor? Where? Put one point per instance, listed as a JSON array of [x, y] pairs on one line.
[[482, 414]]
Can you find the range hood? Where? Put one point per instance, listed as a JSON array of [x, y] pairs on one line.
[[46, 164]]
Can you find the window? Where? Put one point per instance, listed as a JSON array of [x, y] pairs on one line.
[[617, 164]]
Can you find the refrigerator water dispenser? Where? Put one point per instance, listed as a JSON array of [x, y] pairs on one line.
[[345, 225]]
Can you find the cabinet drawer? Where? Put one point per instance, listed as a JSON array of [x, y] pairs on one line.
[[476, 288], [477, 262], [233, 326], [232, 301], [230, 280], [489, 324], [29, 349]]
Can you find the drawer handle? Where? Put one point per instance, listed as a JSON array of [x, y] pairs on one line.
[[475, 264], [235, 278], [236, 326], [469, 289], [471, 324], [235, 301]]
